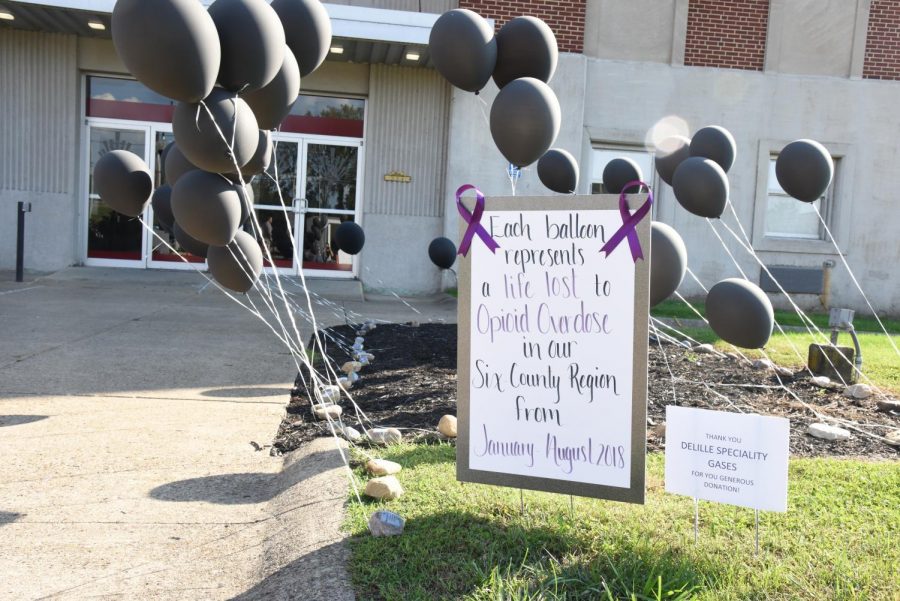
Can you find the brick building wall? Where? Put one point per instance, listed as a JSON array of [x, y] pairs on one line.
[[727, 33], [882, 59], [565, 17]]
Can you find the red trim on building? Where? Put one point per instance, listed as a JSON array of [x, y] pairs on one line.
[[133, 111], [326, 126]]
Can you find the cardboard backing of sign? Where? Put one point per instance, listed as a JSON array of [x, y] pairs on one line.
[[633, 490]]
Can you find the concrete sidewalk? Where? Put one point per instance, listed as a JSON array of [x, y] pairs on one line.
[[131, 410]]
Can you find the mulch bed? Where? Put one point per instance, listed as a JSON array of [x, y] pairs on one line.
[[412, 383]]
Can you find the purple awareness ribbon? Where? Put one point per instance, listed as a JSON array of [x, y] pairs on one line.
[[474, 221], [629, 222]]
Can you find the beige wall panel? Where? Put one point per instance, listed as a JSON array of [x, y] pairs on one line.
[[636, 30]]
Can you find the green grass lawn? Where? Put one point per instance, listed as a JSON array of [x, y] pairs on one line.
[[838, 540]]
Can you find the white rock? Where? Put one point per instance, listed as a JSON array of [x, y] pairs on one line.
[[821, 381], [353, 377], [827, 432], [345, 383], [763, 364], [327, 411], [447, 426], [386, 488], [351, 366], [363, 360], [358, 348], [382, 467], [704, 349], [385, 435], [359, 340], [888, 405], [386, 523], [893, 438], [784, 372], [733, 356], [858, 391], [350, 433], [330, 393]]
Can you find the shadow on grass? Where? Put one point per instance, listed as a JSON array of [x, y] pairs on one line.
[[457, 554], [19, 420]]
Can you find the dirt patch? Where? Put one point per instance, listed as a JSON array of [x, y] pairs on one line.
[[412, 383]]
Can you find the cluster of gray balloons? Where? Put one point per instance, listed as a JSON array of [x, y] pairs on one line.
[[525, 116], [234, 71]]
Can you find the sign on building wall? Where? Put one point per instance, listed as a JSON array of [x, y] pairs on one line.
[[553, 347], [735, 458]]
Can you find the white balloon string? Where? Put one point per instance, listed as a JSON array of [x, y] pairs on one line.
[[781, 385], [855, 281], [807, 322], [804, 319]]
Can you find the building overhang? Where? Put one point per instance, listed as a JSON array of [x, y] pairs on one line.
[[364, 35]]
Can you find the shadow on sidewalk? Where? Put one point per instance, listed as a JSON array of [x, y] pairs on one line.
[[317, 576], [18, 420], [248, 488]]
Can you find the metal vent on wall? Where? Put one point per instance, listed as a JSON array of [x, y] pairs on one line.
[[795, 280]]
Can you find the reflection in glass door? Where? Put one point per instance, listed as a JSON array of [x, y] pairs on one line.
[[112, 238], [276, 225], [161, 253], [330, 189]]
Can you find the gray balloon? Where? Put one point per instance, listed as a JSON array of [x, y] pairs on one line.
[[252, 40], [171, 46], [620, 172], [463, 49], [307, 29], [204, 145], [236, 266], [123, 181], [207, 207], [526, 47], [669, 154], [176, 164], [701, 186], [525, 119], [162, 206], [740, 313], [804, 169], [558, 170], [272, 103], [189, 243], [716, 143], [668, 262], [261, 159]]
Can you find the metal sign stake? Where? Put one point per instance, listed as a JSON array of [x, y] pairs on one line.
[[756, 512], [696, 518]]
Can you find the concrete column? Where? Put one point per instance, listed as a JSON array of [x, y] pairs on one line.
[[860, 34], [679, 31]]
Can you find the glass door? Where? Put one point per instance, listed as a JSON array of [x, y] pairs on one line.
[[112, 239], [163, 250], [329, 196], [277, 222]]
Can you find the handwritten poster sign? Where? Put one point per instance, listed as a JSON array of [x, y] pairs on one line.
[[553, 349], [735, 458]]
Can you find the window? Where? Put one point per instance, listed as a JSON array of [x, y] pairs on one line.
[[602, 156], [787, 217]]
